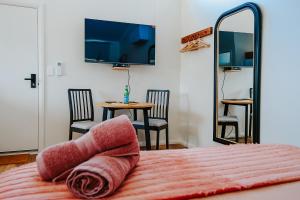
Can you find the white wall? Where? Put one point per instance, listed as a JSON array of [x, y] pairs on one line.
[[280, 70], [236, 22], [64, 40]]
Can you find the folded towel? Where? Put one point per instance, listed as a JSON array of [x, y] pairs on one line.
[[100, 176], [115, 137]]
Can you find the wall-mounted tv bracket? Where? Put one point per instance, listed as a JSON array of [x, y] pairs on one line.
[[120, 66]]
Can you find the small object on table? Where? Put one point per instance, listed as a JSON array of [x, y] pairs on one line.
[[126, 95], [110, 102]]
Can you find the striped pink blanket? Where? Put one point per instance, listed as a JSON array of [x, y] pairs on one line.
[[177, 174]]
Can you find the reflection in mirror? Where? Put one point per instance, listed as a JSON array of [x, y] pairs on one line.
[[235, 75]]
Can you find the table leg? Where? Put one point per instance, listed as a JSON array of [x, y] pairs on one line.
[[104, 115], [246, 123], [147, 129], [223, 130], [134, 115], [250, 119], [226, 110]]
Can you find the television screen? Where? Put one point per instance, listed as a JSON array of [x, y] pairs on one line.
[[116, 42], [235, 49]]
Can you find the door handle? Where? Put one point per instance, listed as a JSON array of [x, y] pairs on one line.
[[32, 80]]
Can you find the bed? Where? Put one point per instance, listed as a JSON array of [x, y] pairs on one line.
[[214, 173]]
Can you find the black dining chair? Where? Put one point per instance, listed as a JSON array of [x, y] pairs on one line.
[[81, 111], [225, 121], [158, 115]]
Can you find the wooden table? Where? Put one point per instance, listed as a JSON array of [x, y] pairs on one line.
[[238, 102], [112, 107]]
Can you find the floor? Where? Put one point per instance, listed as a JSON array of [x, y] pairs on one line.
[[242, 140], [9, 162]]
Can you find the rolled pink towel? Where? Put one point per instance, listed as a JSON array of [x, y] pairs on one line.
[[115, 137], [100, 176]]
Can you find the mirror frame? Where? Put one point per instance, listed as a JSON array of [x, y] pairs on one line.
[[256, 67]]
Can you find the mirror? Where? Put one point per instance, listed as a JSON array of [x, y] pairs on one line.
[[237, 75]]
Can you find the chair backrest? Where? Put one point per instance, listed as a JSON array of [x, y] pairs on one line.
[[81, 105], [161, 100]]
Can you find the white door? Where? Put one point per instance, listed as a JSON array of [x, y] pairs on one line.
[[18, 60]]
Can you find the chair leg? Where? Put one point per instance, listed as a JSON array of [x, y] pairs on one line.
[[250, 126], [236, 127], [223, 131], [70, 134], [136, 130], [167, 137], [157, 140]]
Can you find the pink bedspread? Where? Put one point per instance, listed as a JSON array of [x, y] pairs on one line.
[[177, 174]]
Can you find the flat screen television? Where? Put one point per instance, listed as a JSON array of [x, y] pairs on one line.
[[235, 49], [119, 43]]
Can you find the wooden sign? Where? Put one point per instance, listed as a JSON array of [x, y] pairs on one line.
[[197, 35]]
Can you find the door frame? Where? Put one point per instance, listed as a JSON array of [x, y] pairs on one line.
[[41, 64]]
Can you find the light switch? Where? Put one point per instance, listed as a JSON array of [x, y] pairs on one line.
[[50, 71]]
